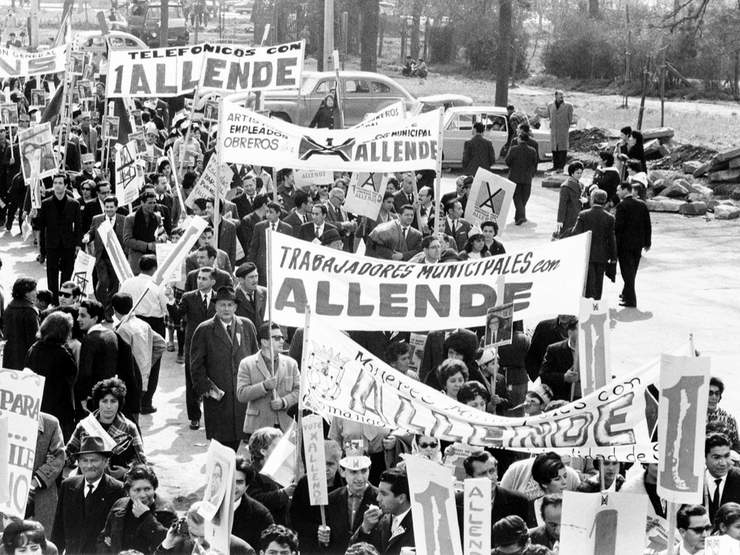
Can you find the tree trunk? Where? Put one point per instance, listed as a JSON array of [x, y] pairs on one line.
[[503, 64], [369, 35], [593, 9], [381, 33], [415, 21]]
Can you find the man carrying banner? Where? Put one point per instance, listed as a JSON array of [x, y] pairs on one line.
[[396, 239], [107, 280]]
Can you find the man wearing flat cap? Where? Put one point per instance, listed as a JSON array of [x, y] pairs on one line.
[[85, 500], [218, 346]]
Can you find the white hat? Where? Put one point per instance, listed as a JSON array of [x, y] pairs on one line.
[[489, 355], [355, 462], [150, 128]]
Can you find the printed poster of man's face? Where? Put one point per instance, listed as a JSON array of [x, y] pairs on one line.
[[110, 128], [38, 97], [84, 89], [37, 152], [78, 63], [211, 111], [140, 142], [9, 114], [499, 325]]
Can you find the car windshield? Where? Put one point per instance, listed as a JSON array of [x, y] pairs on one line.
[[154, 13], [308, 84]]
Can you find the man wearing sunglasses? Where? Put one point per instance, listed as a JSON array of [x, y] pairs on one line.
[[69, 294], [693, 524]]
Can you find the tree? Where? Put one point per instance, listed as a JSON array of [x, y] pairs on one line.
[[593, 8], [503, 64], [370, 14], [416, 9]]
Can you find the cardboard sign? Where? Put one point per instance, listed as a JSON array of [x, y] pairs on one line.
[[416, 347], [682, 420], [82, 272], [37, 151], [499, 325], [280, 465], [394, 112], [9, 114], [174, 71], [490, 199], [594, 362], [129, 174], [218, 497], [175, 259], [313, 443], [310, 178], [477, 511], [365, 194], [213, 177]]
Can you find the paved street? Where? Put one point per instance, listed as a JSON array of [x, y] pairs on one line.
[[687, 283]]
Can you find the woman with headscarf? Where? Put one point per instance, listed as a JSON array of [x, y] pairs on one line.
[[324, 117]]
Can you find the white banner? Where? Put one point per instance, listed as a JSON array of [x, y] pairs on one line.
[[174, 71], [682, 420], [360, 293], [365, 194], [344, 379], [83, 271], [490, 199], [21, 63], [594, 362], [118, 259], [249, 138], [213, 176], [307, 178], [477, 511], [313, 443], [129, 173], [20, 401], [4, 461], [179, 253], [391, 113], [433, 507]]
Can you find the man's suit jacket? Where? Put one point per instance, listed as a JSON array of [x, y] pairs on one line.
[[245, 228], [632, 226], [387, 238], [135, 247], [172, 204], [191, 309], [307, 231], [258, 247], [222, 262], [98, 360], [98, 247], [522, 161], [90, 209], [251, 518], [243, 204], [223, 279], [462, 228], [477, 153], [381, 538], [335, 216], [253, 311], [545, 334], [558, 359], [214, 360], [60, 230], [227, 239], [249, 389], [337, 518], [377, 342], [76, 529], [730, 493], [601, 225], [295, 221], [505, 503], [399, 199]]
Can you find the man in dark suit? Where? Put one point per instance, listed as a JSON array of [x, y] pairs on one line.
[[301, 214], [85, 500], [346, 508], [318, 226], [454, 225], [522, 161], [478, 152], [504, 502], [167, 200], [721, 478], [206, 238], [559, 370], [633, 233], [96, 206], [99, 349], [603, 244], [251, 298], [217, 348], [258, 247], [60, 227], [337, 216], [385, 532], [546, 332], [245, 228], [206, 256], [196, 307], [244, 201], [104, 275], [397, 239], [251, 517]]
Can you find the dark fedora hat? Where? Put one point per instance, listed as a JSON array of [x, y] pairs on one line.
[[93, 444], [225, 294], [330, 236]]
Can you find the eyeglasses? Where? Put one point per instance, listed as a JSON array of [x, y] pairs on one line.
[[701, 529], [425, 445], [66, 294]]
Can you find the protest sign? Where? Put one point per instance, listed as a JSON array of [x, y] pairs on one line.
[[393, 112], [281, 464], [360, 293], [682, 419], [20, 402], [343, 379], [433, 508], [309, 178], [313, 442], [9, 114], [217, 507], [22, 63], [163, 251], [365, 194], [111, 125], [37, 151], [607, 524], [249, 138], [416, 348], [94, 428], [477, 514], [4, 460], [129, 174], [594, 363], [499, 325], [193, 229], [117, 257], [490, 199], [168, 72], [214, 176], [82, 272]]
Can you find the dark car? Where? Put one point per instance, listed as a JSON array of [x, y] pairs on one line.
[[144, 22]]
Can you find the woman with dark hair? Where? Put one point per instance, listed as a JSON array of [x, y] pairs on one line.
[[636, 149], [510, 535], [607, 178], [139, 521], [108, 397], [727, 523], [20, 323], [26, 536], [451, 375], [492, 247], [50, 357], [474, 248], [324, 117]]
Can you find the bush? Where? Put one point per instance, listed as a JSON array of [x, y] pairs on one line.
[[581, 52], [442, 44]]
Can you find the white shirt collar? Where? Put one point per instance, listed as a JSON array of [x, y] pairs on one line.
[[94, 485], [237, 503], [398, 519]]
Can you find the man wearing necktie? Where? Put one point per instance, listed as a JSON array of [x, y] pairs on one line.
[[339, 218], [251, 298], [721, 478], [407, 194], [104, 276], [218, 346], [301, 214], [397, 239], [318, 226], [257, 252]]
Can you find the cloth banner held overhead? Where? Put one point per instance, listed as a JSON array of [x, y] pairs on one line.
[[365, 194], [682, 420], [307, 178], [118, 259], [249, 138], [174, 71], [344, 379], [490, 199], [594, 362], [393, 112], [433, 507], [21, 63], [360, 293], [193, 228], [20, 401], [213, 176]]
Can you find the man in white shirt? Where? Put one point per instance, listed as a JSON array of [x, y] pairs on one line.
[[693, 524], [721, 479]]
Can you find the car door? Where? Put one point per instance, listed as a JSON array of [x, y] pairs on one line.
[[356, 100], [496, 130], [459, 128], [312, 101], [382, 94]]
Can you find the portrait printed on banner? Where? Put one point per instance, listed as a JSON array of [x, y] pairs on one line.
[[9, 114], [499, 325], [215, 491], [110, 128], [38, 97]]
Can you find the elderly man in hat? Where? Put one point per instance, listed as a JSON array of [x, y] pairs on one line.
[[152, 151], [85, 500], [345, 509], [218, 346]]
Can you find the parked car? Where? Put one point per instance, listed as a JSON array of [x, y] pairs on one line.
[[117, 40], [144, 21], [362, 92], [446, 101], [458, 128]]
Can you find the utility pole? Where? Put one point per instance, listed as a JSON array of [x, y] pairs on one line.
[[328, 34], [33, 25], [164, 24]]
